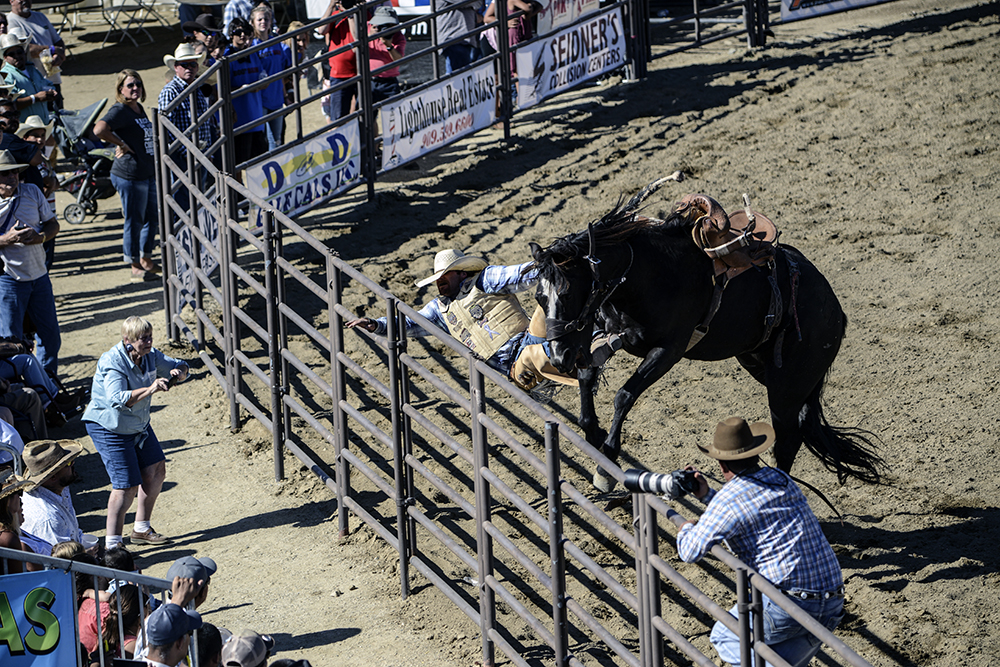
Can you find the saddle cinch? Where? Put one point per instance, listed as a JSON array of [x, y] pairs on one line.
[[734, 242]]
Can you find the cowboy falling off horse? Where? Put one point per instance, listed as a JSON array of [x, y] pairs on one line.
[[701, 284]]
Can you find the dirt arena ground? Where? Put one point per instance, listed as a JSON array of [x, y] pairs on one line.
[[870, 137]]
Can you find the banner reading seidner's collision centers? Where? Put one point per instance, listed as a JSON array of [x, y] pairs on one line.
[[570, 56], [37, 610], [292, 182], [421, 123]]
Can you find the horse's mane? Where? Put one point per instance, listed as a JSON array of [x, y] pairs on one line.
[[619, 225]]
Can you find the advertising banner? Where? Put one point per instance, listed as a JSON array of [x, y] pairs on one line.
[[36, 619], [209, 226], [793, 10], [421, 123], [566, 58], [291, 182], [557, 13]]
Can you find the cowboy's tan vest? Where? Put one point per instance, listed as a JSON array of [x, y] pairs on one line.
[[484, 322]]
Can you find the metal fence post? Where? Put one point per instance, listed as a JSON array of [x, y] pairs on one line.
[[750, 22], [404, 397], [338, 381], [757, 611], [226, 114], [506, 76], [399, 477], [743, 608], [273, 352], [557, 555], [365, 99], [226, 254], [484, 543], [163, 212], [279, 252]]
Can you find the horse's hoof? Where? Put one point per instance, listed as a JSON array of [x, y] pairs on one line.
[[602, 482]]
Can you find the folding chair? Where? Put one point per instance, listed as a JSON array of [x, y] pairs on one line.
[[136, 11]]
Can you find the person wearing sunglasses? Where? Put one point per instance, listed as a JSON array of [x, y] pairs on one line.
[[127, 127], [245, 72], [37, 91]]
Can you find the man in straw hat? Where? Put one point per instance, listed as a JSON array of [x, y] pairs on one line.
[[48, 506], [477, 305], [26, 222], [765, 520], [35, 90]]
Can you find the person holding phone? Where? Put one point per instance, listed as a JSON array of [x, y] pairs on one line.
[[117, 420], [26, 222]]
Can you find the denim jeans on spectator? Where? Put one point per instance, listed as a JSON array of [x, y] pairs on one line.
[[139, 208], [125, 456], [383, 88], [29, 369], [273, 128], [458, 56], [782, 632], [35, 298], [340, 100]]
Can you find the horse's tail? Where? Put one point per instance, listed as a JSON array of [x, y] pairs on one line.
[[642, 195], [849, 452]]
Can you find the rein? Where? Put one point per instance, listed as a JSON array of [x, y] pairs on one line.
[[599, 293]]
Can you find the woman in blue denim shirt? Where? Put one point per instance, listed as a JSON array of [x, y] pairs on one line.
[[117, 420]]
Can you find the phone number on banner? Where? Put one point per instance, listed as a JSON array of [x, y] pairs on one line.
[[448, 130]]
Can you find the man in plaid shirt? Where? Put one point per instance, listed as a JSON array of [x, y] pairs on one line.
[[764, 519]]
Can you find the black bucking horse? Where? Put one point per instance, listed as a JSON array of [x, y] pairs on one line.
[[653, 283]]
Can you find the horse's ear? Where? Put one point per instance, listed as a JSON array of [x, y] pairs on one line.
[[535, 249]]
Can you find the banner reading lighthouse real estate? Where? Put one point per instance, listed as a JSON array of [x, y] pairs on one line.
[[568, 57]]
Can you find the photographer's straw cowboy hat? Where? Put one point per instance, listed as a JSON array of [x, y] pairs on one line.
[[9, 163], [34, 123], [735, 440], [44, 458], [11, 483], [184, 53], [9, 41], [453, 260]]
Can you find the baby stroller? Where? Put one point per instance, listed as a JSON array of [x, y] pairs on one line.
[[85, 161]]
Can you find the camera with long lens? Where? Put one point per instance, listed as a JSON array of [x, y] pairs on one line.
[[674, 485]]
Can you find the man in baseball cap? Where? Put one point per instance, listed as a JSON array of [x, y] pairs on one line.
[[198, 569], [167, 633], [247, 649]]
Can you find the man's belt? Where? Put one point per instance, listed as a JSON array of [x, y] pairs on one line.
[[804, 595]]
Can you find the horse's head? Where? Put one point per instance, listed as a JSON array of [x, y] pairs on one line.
[[564, 284]]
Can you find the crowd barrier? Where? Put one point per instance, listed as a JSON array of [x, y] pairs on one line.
[[33, 632], [478, 488]]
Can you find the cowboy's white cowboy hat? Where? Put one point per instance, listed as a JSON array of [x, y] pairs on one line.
[[34, 123], [8, 163], [182, 54], [735, 440], [452, 260], [10, 40]]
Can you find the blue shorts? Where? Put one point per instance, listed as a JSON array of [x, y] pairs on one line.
[[125, 456]]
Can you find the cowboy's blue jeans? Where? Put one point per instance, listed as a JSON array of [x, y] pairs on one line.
[[782, 632], [35, 298]]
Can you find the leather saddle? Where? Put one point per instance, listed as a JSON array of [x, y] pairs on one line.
[[734, 242]]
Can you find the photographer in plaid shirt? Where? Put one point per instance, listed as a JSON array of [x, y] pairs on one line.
[[766, 522]]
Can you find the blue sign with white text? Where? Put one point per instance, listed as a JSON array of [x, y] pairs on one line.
[[37, 619]]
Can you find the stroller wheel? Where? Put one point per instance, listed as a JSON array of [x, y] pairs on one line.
[[90, 206], [74, 214]]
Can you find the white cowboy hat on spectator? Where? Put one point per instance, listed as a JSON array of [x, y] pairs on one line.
[[384, 16], [8, 163], [34, 123], [453, 260], [9, 41], [184, 53]]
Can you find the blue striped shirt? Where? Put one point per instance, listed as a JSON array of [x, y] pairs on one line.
[[766, 522], [492, 280]]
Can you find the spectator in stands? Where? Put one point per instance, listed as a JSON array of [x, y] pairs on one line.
[[26, 223], [273, 59], [36, 90], [189, 15], [245, 72], [46, 48], [459, 22], [385, 49], [236, 9], [117, 420], [25, 403], [133, 173], [200, 570], [209, 645], [344, 65], [3, 24], [184, 64], [48, 506], [131, 616], [18, 365], [68, 550], [34, 131], [169, 629], [247, 649], [11, 488], [9, 438], [208, 37]]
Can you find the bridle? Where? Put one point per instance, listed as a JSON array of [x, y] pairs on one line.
[[600, 292]]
